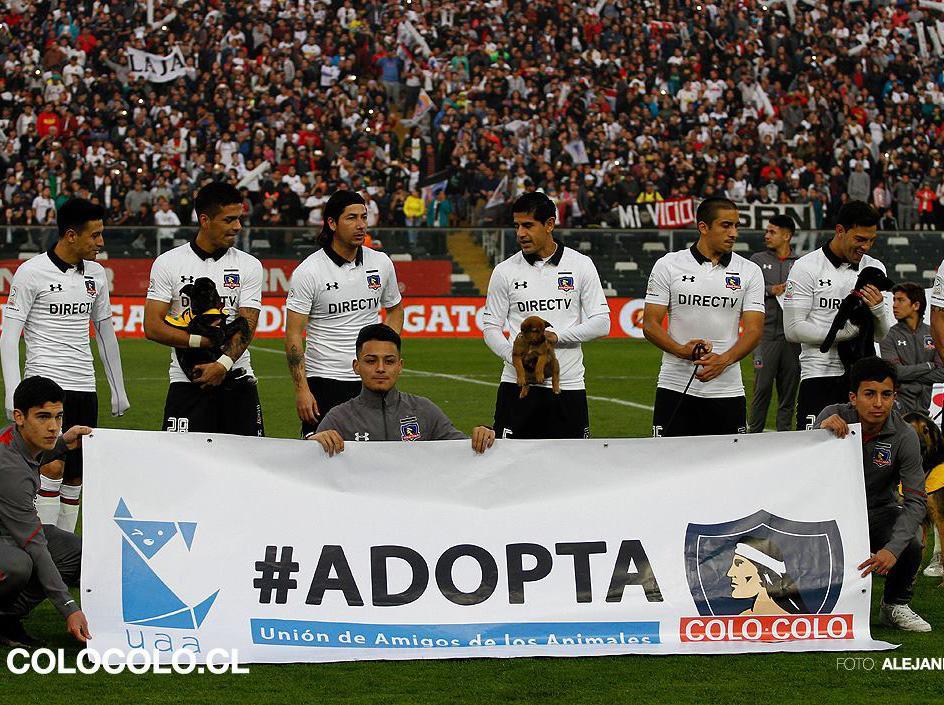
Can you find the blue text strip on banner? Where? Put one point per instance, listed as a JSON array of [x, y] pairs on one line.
[[290, 632]]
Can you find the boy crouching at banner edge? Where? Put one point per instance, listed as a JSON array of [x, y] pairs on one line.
[[891, 454]]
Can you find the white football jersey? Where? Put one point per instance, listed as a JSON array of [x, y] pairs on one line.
[[564, 290], [705, 301], [340, 298], [56, 302], [238, 277], [817, 284], [937, 294]]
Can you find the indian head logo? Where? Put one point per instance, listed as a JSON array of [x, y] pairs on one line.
[[373, 281], [565, 283], [146, 599], [409, 429], [90, 288], [732, 282], [231, 280], [764, 578]]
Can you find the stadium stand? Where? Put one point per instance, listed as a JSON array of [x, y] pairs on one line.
[[699, 99], [604, 105]]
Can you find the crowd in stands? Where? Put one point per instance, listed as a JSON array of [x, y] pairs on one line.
[[599, 104]]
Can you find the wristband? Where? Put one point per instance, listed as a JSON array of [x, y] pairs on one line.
[[226, 361], [195, 340]]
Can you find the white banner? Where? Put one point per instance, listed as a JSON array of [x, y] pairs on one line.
[[711, 545], [157, 69]]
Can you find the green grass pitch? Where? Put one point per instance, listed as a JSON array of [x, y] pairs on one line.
[[461, 375]]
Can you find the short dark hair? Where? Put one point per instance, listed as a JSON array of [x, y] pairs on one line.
[[36, 391], [857, 214], [75, 213], [784, 221], [214, 196], [376, 331], [708, 209], [871, 369], [334, 208], [915, 294], [537, 204]]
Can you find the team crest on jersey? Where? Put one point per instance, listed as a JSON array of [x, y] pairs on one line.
[[928, 342], [409, 429], [373, 281], [90, 287], [231, 280], [565, 283], [882, 455], [732, 282]]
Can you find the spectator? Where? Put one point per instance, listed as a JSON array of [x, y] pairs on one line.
[[414, 210], [926, 197], [904, 195], [438, 212], [860, 185]]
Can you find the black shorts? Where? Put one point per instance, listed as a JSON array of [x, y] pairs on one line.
[[678, 415], [815, 394], [329, 393], [78, 409], [233, 408], [541, 414]]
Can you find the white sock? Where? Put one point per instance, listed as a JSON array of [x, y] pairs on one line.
[[47, 500], [69, 507]]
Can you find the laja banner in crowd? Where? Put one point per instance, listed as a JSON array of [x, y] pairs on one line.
[[711, 545], [155, 68]]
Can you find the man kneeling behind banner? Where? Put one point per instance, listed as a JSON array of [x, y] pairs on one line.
[[381, 411], [430, 550]]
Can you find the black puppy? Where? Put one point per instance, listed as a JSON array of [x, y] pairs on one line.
[[854, 309], [205, 317]]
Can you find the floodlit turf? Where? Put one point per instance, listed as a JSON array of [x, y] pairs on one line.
[[461, 375]]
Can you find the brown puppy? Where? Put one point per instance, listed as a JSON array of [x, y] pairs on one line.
[[533, 356], [932, 455]]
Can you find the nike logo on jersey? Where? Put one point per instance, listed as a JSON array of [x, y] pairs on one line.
[[707, 301], [544, 305], [355, 305]]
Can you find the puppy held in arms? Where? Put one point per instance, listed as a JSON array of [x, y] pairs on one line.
[[205, 317], [534, 357], [854, 310]]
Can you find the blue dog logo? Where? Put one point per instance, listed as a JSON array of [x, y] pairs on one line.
[[146, 600]]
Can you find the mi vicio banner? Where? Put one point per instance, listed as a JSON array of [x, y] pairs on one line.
[[155, 68], [680, 213], [424, 550], [674, 213]]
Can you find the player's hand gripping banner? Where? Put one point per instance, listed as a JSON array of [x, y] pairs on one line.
[[711, 545]]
